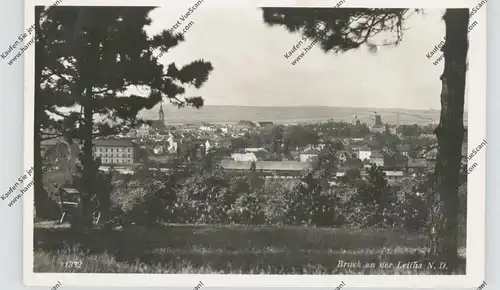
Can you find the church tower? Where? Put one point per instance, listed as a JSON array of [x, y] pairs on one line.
[[161, 114]]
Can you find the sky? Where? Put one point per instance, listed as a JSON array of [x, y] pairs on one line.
[[250, 68]]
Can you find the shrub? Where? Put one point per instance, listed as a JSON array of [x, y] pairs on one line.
[[248, 209]]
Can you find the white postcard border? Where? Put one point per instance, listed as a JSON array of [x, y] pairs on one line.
[[475, 261]]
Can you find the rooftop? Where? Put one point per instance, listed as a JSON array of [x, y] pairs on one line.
[[113, 142], [417, 163], [265, 123], [376, 154], [393, 173], [265, 165], [310, 151]]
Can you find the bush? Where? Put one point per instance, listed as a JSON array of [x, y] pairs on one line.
[[411, 210], [248, 209], [277, 197], [215, 198]]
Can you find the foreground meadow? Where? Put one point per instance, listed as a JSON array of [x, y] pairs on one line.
[[234, 250]]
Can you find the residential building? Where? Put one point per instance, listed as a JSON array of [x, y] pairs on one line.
[[248, 150], [404, 149], [113, 151], [377, 158], [364, 152], [295, 154], [394, 175], [309, 155], [431, 157], [416, 164], [318, 147]]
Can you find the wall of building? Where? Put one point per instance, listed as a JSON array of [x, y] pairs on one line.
[[115, 154], [308, 157], [377, 161], [364, 155]]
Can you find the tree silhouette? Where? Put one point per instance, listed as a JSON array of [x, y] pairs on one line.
[[340, 30], [97, 54], [374, 194]]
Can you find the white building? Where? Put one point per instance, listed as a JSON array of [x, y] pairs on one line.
[[364, 153], [309, 155], [114, 151], [249, 150], [243, 157], [172, 144]]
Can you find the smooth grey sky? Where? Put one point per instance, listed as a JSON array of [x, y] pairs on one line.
[[250, 69]]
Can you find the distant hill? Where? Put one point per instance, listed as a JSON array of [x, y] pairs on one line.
[[288, 115]]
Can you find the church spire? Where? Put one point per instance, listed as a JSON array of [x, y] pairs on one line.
[[161, 114]]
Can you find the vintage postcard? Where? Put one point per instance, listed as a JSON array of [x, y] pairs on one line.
[[252, 143]]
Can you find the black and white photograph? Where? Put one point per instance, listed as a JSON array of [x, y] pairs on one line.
[[250, 145]]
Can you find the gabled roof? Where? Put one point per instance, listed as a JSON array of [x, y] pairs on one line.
[[310, 151]]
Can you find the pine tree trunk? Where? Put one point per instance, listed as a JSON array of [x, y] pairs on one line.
[[450, 134], [42, 201], [88, 158]]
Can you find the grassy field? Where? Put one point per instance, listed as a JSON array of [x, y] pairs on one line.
[[234, 250]]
